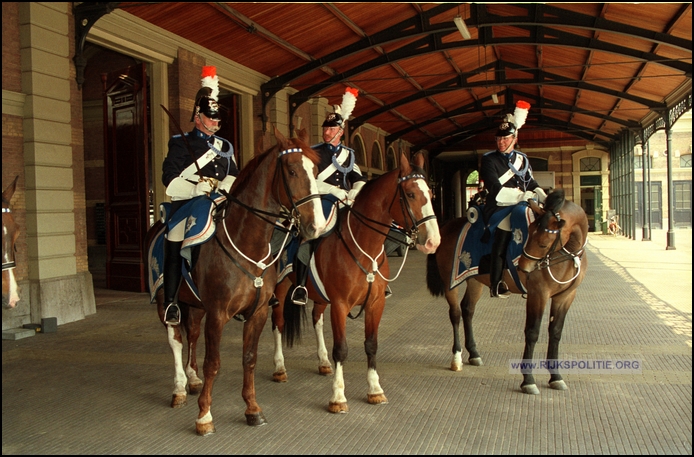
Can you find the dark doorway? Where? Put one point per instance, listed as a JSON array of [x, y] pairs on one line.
[[126, 164]]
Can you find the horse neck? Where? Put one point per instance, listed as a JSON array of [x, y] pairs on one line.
[[256, 192], [373, 205], [577, 225]]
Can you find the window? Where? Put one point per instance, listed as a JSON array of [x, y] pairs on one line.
[[638, 162], [360, 157], [376, 158], [538, 164], [686, 161], [390, 159], [590, 164]]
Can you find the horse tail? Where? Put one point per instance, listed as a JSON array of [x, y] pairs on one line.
[[294, 316], [434, 282]]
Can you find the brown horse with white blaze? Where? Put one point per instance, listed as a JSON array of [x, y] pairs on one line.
[[553, 265], [233, 275], [353, 270], [10, 232]]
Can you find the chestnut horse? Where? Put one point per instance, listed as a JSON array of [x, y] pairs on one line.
[[233, 275], [10, 232], [351, 265], [554, 264]]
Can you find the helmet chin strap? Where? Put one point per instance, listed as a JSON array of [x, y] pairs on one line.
[[509, 148], [333, 138], [213, 129]]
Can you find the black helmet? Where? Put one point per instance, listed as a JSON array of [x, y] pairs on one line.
[[506, 128], [333, 120], [205, 104]]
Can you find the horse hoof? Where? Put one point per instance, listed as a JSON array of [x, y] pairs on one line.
[[255, 420], [279, 376], [204, 429], [325, 371], [377, 399], [455, 366], [336, 408], [530, 389], [558, 385], [476, 361], [178, 401], [194, 389]]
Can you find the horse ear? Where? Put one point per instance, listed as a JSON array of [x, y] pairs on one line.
[[281, 140], [405, 167], [302, 135], [9, 192], [419, 160], [535, 207]]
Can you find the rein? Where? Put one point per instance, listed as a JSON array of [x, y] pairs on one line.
[[558, 255]]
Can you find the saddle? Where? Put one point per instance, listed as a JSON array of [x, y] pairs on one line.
[[201, 216], [472, 254]]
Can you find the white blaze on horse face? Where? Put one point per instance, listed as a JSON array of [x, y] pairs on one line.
[[432, 227], [319, 222], [13, 293]]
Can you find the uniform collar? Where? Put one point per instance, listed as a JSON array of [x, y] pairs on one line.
[[199, 134]]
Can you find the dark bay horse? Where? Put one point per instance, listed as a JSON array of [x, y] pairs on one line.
[[234, 275], [553, 266], [10, 232], [353, 269]]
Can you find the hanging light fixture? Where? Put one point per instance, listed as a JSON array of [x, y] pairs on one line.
[[462, 28], [495, 98]]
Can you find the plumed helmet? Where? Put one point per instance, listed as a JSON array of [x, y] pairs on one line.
[[342, 111], [506, 128], [206, 98]]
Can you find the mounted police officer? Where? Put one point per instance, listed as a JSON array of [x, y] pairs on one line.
[[194, 167], [338, 176], [508, 177]]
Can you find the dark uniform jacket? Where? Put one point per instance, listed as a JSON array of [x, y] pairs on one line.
[[179, 158], [494, 165], [326, 153]]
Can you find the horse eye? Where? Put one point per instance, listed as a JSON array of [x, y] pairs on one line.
[[410, 195]]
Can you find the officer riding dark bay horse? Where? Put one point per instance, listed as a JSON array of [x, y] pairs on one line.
[[234, 274], [552, 265], [10, 232], [350, 269]]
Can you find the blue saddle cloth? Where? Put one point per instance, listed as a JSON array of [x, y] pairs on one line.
[[200, 228], [470, 250]]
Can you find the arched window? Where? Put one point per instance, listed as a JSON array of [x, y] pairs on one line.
[[376, 158], [590, 164], [686, 161], [391, 163], [360, 156]]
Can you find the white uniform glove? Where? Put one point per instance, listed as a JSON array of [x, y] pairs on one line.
[[226, 183], [528, 195], [201, 188], [509, 196], [540, 195], [352, 194], [179, 189], [339, 193]]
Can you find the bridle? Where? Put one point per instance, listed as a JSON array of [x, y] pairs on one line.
[[292, 216], [8, 262], [411, 233], [556, 255]]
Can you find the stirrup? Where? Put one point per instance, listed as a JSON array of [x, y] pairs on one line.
[[389, 293], [172, 315], [500, 291], [300, 296], [273, 301]]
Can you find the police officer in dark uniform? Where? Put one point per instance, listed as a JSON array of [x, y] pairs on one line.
[[338, 175], [508, 177], [214, 168]]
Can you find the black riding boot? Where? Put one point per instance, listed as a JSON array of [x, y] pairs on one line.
[[172, 280], [497, 287], [300, 294]]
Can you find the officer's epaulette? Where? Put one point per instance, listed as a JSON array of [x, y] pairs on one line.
[[179, 135], [489, 152]]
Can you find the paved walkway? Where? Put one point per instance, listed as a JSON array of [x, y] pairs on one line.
[[102, 385]]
